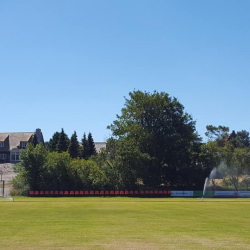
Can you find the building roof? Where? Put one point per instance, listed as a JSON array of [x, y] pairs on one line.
[[3, 136], [16, 137]]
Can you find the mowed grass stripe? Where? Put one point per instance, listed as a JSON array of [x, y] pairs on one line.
[[124, 223]]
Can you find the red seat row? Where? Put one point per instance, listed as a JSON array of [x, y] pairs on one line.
[[102, 192]]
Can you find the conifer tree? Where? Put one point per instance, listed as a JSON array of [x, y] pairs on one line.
[[74, 146], [91, 145], [63, 142], [35, 140], [84, 153], [53, 142]]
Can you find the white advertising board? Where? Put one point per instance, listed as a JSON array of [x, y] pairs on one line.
[[226, 193], [243, 193], [182, 193]]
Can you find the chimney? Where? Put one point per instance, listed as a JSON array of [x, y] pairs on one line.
[[39, 135]]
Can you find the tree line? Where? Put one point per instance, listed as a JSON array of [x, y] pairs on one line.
[[154, 144], [60, 142], [231, 152]]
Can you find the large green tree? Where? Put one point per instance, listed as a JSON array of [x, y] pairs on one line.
[[154, 140], [33, 160], [91, 145], [74, 148], [88, 146], [63, 142], [84, 147], [35, 140], [239, 139], [53, 142]]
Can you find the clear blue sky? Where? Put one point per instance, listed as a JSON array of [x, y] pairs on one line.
[[69, 64]]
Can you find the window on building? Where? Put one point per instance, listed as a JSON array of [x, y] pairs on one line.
[[23, 144], [2, 156], [14, 156], [1, 144]]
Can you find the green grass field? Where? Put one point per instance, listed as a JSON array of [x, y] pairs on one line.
[[124, 223]]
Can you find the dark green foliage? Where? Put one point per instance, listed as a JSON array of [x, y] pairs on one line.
[[239, 139], [53, 142], [155, 139], [43, 170], [58, 171], [91, 146], [46, 145], [33, 160], [74, 148], [88, 175], [243, 138], [88, 146], [84, 148], [221, 137], [217, 133], [105, 160], [154, 145], [220, 134], [34, 140], [63, 142], [59, 142], [232, 151]]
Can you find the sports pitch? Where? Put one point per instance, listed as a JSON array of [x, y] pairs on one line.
[[124, 223]]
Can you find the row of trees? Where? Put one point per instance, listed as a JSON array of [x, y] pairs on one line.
[[60, 142], [44, 170], [232, 154], [154, 144]]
